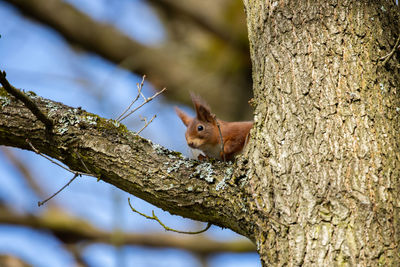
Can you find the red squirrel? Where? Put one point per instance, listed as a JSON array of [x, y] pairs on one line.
[[202, 132]]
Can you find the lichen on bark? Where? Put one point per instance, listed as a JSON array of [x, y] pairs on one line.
[[112, 153]]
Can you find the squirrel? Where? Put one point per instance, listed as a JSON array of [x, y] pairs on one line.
[[204, 132]]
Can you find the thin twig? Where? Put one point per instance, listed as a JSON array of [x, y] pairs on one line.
[[40, 203], [26, 100], [220, 136], [46, 157], [55, 162], [141, 105], [154, 217], [146, 123], [388, 56], [140, 92], [76, 173], [139, 87], [83, 163]]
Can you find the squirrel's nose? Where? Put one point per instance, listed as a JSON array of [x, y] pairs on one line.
[[191, 144]]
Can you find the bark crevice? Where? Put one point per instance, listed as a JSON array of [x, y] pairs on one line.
[[324, 155]]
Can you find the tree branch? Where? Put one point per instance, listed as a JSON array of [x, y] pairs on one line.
[[28, 103], [107, 41], [12, 261], [40, 203], [165, 65], [205, 22], [155, 218], [117, 156], [71, 230]]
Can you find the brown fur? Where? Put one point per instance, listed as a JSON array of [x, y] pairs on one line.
[[234, 134]]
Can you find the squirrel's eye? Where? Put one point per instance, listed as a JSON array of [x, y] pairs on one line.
[[200, 128]]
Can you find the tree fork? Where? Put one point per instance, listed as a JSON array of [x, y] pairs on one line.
[[192, 189]]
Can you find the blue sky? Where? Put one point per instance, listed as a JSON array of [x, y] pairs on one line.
[[38, 59]]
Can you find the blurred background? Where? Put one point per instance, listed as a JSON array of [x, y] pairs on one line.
[[92, 53]]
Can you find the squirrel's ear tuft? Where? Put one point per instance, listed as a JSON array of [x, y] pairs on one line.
[[186, 119], [203, 112]]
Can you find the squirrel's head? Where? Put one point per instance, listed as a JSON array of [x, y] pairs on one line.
[[202, 130]]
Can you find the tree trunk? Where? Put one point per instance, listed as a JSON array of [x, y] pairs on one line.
[[324, 155], [319, 180]]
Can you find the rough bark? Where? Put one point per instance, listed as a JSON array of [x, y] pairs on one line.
[[319, 181], [192, 189], [324, 157]]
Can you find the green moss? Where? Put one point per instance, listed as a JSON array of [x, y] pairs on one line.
[[31, 93], [98, 175], [105, 124], [382, 261], [3, 92], [341, 260], [177, 154]]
